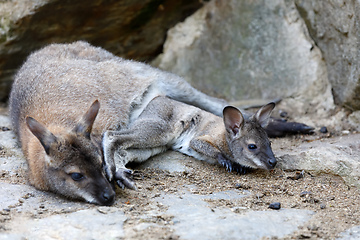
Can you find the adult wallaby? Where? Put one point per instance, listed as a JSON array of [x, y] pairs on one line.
[[64, 138]]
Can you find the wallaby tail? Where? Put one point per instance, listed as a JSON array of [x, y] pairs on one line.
[[182, 91], [280, 128]]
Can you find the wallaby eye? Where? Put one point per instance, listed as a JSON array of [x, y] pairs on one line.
[[252, 146], [76, 176]]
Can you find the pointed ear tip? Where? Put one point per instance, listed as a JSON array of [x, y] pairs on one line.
[[96, 103], [271, 104], [229, 107], [29, 120], [231, 111]]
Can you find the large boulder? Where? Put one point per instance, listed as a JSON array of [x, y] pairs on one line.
[[133, 29], [250, 49], [334, 26]]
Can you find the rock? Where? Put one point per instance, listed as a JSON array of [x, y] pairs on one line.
[[10, 194], [354, 120], [275, 205], [132, 29], [333, 25], [249, 49], [323, 130], [338, 155], [305, 193], [283, 114], [351, 234], [75, 225], [226, 224]]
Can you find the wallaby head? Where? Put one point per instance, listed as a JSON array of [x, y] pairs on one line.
[[73, 162], [247, 139]]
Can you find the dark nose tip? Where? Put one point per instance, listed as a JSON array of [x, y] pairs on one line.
[[272, 162], [108, 197]]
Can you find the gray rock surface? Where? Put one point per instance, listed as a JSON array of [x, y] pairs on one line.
[[249, 49], [351, 234], [334, 27], [228, 224], [106, 224], [338, 156]]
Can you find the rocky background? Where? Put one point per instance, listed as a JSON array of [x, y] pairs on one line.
[[307, 51], [304, 52], [133, 29]]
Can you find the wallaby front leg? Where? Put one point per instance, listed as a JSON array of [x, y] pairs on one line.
[[204, 150], [212, 155], [143, 140], [114, 164], [108, 150]]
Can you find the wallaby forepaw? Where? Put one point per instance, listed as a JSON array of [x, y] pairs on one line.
[[233, 166], [225, 163], [123, 178], [240, 169]]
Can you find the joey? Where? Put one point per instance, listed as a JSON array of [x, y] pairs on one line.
[[235, 142]]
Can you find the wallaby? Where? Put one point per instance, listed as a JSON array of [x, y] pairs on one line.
[[70, 146], [238, 144]]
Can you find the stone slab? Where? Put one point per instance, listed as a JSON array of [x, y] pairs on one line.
[[195, 219]]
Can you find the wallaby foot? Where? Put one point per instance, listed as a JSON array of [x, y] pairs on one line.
[[233, 166], [123, 178], [280, 128]]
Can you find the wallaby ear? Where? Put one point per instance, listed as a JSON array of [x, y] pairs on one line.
[[45, 137], [84, 126], [263, 114], [233, 119]]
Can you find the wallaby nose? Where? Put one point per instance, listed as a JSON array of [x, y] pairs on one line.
[[272, 162], [108, 197]]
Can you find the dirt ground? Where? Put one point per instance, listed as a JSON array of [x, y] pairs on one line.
[[335, 204]]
